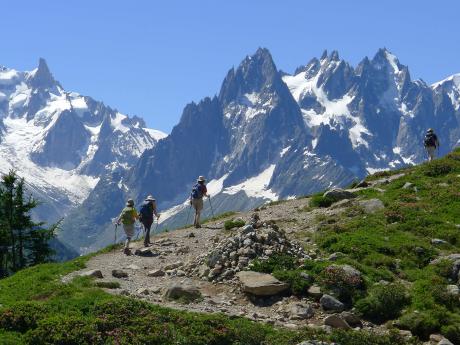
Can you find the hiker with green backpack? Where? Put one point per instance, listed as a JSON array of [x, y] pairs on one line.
[[128, 217]]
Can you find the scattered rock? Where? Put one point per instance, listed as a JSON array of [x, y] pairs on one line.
[[453, 290], [185, 291], [438, 241], [436, 338], [405, 333], [300, 311], [351, 319], [191, 235], [119, 274], [372, 205], [336, 256], [173, 266], [142, 291], [260, 284], [155, 289], [146, 252], [407, 185], [339, 194], [180, 273], [183, 250], [445, 341], [133, 267], [331, 303], [315, 292], [336, 321], [92, 273], [306, 277], [156, 273]]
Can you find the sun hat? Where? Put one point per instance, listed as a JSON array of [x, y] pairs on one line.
[[150, 198], [130, 202], [201, 179]]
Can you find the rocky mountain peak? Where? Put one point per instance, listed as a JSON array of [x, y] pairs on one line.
[[255, 73], [42, 77]]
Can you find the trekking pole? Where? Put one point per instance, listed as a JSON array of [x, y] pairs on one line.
[[115, 240], [212, 210], [156, 227], [188, 215]]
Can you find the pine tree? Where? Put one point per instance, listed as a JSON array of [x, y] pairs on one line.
[[23, 242]]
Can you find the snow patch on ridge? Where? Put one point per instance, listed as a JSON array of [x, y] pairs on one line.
[[256, 186], [335, 111]]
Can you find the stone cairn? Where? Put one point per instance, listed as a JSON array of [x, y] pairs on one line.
[[256, 240]]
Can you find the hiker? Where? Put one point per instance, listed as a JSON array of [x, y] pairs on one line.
[[128, 217], [431, 143], [146, 212], [199, 190]]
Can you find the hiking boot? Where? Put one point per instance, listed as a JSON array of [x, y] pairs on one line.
[[197, 226], [147, 244], [126, 251]]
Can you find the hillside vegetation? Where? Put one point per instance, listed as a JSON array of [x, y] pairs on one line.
[[403, 251]]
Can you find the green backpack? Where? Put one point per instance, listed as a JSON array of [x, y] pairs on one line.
[[127, 215]]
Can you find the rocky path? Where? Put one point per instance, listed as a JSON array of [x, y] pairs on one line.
[[173, 266]]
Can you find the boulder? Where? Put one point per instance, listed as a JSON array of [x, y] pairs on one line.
[[336, 321], [260, 284], [92, 273], [407, 185], [453, 290], [247, 229], [185, 291], [445, 341], [315, 292], [156, 273], [301, 311], [119, 274], [438, 241], [331, 303], [372, 205], [351, 319], [339, 194]]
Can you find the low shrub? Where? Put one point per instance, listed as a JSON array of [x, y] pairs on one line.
[[276, 262], [421, 324], [108, 285], [347, 287], [452, 332], [438, 168], [298, 285], [319, 200], [230, 224], [383, 302]]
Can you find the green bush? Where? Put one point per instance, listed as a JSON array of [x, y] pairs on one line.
[[452, 332], [438, 168], [421, 324], [383, 302], [108, 285], [298, 285], [276, 262], [318, 200], [230, 224]]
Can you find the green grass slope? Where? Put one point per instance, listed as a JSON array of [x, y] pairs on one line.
[[392, 248]]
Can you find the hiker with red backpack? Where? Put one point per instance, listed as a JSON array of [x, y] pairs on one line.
[[431, 143], [128, 217], [199, 191], [146, 215]]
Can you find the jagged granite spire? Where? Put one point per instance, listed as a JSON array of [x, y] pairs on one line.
[[42, 77]]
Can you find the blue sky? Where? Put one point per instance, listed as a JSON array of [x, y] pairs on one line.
[[151, 58]]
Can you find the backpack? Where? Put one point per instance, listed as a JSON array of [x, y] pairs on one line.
[[430, 140], [197, 191], [146, 211], [127, 216]]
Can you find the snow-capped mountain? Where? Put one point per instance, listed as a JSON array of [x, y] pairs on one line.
[[270, 135], [62, 142]]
